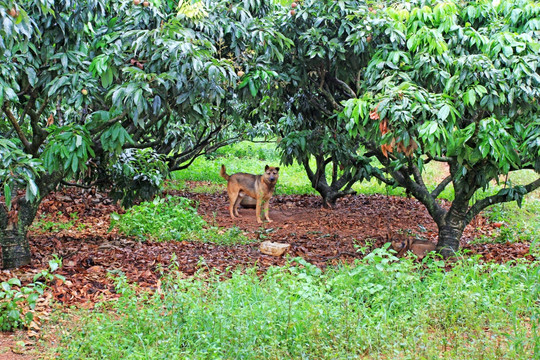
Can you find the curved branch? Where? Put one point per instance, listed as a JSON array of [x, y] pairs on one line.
[[18, 130], [439, 189], [328, 96], [108, 124], [496, 199], [345, 87], [438, 158], [200, 153]]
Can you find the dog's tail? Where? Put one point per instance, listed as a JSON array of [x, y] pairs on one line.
[[223, 173]]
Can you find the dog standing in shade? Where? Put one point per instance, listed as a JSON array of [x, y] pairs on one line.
[[259, 187]]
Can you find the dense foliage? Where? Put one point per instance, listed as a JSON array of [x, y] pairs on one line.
[[117, 93], [377, 308], [381, 90]]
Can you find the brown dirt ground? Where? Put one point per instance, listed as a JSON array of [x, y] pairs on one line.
[[323, 237]]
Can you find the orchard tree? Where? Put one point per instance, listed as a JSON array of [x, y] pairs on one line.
[[457, 83], [117, 93], [319, 73]]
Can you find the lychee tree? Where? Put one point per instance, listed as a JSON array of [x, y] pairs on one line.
[[118, 93], [321, 71], [456, 83]]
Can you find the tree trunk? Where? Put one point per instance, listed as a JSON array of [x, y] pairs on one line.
[[13, 229], [15, 249], [451, 229], [14, 224], [449, 237], [330, 193]]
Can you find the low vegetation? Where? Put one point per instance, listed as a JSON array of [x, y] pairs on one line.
[[17, 301], [172, 218], [375, 308]]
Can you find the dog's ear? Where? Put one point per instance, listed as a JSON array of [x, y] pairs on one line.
[[266, 167], [277, 168]]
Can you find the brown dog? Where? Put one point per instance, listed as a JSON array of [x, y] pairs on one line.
[[418, 247], [259, 187]]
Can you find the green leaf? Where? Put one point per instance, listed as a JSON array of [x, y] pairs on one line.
[[14, 281], [107, 78], [7, 195], [32, 77], [444, 112], [54, 265], [252, 87], [471, 95], [33, 187]]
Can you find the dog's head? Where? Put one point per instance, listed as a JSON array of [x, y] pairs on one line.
[[271, 174], [399, 244]]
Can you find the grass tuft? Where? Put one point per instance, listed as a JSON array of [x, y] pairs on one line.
[[173, 218]]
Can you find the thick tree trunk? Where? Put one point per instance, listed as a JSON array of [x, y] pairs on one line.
[[449, 237], [330, 193], [14, 225], [13, 229], [451, 228], [15, 249]]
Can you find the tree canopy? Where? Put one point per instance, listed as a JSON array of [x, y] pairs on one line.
[[117, 93], [457, 83]]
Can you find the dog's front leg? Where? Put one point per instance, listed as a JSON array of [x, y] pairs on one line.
[[267, 210], [258, 210]]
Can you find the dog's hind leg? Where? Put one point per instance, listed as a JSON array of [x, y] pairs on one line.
[[237, 203], [233, 198]]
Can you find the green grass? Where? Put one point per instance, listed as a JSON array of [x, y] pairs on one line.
[[45, 223], [173, 218], [375, 309]]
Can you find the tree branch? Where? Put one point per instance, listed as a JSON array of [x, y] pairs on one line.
[[201, 153], [439, 189], [328, 96], [142, 145], [345, 87], [496, 199], [107, 124], [438, 158], [17, 128]]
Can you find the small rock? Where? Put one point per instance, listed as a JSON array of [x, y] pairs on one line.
[[274, 249]]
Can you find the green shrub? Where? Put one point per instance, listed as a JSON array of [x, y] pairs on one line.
[[172, 218]]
